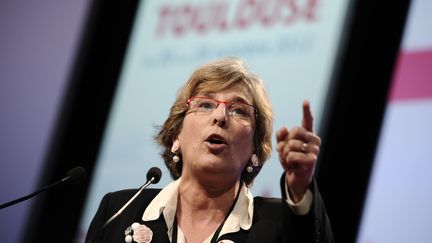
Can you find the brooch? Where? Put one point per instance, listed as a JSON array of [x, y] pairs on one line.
[[138, 233]]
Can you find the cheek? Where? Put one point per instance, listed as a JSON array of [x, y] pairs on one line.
[[192, 128], [245, 138]]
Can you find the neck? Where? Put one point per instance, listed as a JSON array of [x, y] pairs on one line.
[[198, 196], [203, 208]]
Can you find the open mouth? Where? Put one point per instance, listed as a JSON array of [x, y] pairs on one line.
[[216, 139]]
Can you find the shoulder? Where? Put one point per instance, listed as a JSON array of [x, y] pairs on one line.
[[265, 207], [117, 199], [127, 193], [274, 209], [265, 201]]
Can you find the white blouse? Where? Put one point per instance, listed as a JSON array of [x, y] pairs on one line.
[[240, 217]]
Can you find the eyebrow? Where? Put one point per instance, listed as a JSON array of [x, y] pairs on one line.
[[240, 100], [236, 98]]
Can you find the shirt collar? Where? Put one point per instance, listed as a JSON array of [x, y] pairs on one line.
[[241, 215], [166, 202]]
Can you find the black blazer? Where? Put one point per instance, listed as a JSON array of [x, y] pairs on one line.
[[273, 220]]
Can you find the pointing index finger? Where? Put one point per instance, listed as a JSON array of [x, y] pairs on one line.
[[307, 121]]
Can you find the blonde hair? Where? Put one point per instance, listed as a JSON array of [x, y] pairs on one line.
[[213, 77]]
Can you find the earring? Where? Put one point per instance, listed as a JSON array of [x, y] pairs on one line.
[[255, 163], [175, 147], [176, 159], [249, 169]]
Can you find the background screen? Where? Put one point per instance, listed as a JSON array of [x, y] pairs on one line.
[[291, 45]]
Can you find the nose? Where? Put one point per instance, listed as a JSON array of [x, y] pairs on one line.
[[220, 117]]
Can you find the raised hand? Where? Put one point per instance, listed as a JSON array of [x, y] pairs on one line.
[[298, 150]]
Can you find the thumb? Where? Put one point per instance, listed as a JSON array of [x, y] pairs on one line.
[[282, 134]]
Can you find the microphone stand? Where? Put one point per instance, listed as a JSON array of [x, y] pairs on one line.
[[5, 205], [74, 175], [128, 202], [153, 177]]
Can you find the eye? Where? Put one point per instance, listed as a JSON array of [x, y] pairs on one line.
[[205, 104], [238, 109]]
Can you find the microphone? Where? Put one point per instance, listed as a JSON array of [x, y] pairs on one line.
[[153, 176], [74, 176]]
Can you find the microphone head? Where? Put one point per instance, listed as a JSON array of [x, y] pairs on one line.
[[156, 173], [76, 175]]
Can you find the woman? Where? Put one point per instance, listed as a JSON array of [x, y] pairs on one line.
[[215, 140]]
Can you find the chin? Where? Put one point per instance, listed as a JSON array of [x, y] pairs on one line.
[[210, 166]]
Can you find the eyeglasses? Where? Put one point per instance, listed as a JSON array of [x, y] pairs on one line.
[[235, 109]]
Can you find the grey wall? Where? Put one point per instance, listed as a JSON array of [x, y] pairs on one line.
[[38, 41]]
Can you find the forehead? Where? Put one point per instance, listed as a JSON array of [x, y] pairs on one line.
[[217, 83], [235, 93]]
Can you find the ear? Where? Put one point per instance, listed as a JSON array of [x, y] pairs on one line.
[[254, 160], [176, 145]]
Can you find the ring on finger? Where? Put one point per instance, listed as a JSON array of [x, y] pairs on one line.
[[304, 147]]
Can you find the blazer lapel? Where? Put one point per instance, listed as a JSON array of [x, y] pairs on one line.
[[159, 229]]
